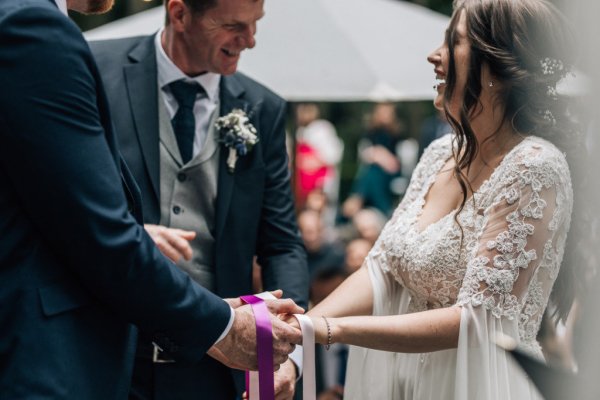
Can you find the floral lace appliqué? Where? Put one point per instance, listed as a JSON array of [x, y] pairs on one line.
[[511, 272]]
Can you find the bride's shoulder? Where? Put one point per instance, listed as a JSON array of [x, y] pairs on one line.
[[540, 157], [535, 150]]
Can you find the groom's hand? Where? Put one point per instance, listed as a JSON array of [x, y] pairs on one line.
[[173, 243], [238, 348], [285, 381]]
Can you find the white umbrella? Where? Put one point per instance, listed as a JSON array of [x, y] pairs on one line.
[[330, 50]]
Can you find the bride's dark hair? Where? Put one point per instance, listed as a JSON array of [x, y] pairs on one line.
[[528, 48]]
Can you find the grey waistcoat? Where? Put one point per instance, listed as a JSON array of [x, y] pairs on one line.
[[188, 195]]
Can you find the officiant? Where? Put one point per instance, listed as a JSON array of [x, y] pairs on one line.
[[212, 199]]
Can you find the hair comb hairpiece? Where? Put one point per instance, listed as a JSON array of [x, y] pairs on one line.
[[554, 66], [548, 116]]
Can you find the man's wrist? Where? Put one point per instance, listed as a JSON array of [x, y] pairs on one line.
[[227, 328], [296, 359]]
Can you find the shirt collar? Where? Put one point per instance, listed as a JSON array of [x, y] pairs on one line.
[[168, 72], [62, 6]]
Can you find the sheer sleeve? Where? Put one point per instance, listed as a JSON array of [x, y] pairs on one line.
[[508, 280]]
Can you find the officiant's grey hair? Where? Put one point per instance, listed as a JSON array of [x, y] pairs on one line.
[[199, 7]]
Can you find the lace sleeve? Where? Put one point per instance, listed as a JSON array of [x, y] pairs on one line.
[[510, 276], [525, 229]]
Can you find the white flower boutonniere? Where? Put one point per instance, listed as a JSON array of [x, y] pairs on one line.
[[237, 133]]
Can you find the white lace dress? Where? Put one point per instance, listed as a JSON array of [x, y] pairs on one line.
[[501, 276]]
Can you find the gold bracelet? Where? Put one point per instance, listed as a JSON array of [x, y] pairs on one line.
[[329, 337]]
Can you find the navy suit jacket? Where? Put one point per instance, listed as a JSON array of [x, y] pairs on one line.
[[76, 269], [254, 208]]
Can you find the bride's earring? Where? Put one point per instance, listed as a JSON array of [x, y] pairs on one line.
[[491, 83]]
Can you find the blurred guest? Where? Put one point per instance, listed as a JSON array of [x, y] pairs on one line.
[[369, 223], [318, 153], [321, 254], [356, 252], [379, 163]]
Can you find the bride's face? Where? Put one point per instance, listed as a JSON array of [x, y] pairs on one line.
[[441, 60]]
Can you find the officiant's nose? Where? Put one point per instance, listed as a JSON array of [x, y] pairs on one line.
[[247, 36]]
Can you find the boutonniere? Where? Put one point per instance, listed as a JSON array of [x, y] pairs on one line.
[[238, 134]]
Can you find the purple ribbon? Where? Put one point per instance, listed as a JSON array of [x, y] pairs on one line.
[[264, 348]]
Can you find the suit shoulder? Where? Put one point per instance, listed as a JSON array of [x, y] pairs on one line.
[[257, 91], [37, 37], [11, 8], [114, 48], [29, 16]]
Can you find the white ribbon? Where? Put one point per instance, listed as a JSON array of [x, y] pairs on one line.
[[309, 385]]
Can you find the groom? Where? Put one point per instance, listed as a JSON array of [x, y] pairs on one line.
[[210, 217], [75, 267]]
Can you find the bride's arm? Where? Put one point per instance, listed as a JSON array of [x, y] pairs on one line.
[[352, 304], [354, 296], [420, 332]]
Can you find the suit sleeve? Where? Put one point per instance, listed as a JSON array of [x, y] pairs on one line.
[[280, 250], [56, 155]]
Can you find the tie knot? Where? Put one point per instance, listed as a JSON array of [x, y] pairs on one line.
[[185, 93]]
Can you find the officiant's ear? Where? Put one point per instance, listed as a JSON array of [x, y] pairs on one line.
[[177, 14]]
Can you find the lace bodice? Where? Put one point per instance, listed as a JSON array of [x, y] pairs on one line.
[[513, 237]]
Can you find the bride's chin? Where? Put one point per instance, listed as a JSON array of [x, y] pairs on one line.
[[438, 102]]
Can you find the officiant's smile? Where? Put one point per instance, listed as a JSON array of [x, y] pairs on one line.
[[210, 40]]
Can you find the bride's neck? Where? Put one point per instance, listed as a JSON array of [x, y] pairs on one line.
[[495, 136]]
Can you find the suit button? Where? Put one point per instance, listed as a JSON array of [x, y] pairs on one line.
[[181, 177], [176, 210]]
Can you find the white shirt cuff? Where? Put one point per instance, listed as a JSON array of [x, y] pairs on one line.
[[227, 328], [296, 357]]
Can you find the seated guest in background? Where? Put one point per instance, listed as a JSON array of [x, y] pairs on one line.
[[379, 163], [320, 252]]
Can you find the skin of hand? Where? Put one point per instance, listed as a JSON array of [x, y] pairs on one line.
[[385, 159], [334, 393], [238, 348], [173, 243], [349, 312], [285, 382]]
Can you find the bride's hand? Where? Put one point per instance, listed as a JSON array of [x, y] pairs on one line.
[[319, 325], [290, 319]]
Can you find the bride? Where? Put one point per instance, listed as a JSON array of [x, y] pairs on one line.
[[475, 247]]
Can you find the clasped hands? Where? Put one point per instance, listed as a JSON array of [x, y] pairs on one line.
[[238, 348]]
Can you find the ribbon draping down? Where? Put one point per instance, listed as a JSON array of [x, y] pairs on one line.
[[260, 384]]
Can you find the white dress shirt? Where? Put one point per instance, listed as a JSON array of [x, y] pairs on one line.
[[62, 6], [205, 105]]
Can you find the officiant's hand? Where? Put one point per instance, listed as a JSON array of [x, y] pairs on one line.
[[173, 243], [285, 382], [238, 348]]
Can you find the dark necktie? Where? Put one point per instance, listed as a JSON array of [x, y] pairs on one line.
[[184, 122]]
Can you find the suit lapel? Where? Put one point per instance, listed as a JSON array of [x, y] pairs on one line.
[[231, 92], [140, 78]]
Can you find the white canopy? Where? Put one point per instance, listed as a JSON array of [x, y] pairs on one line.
[[330, 50]]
